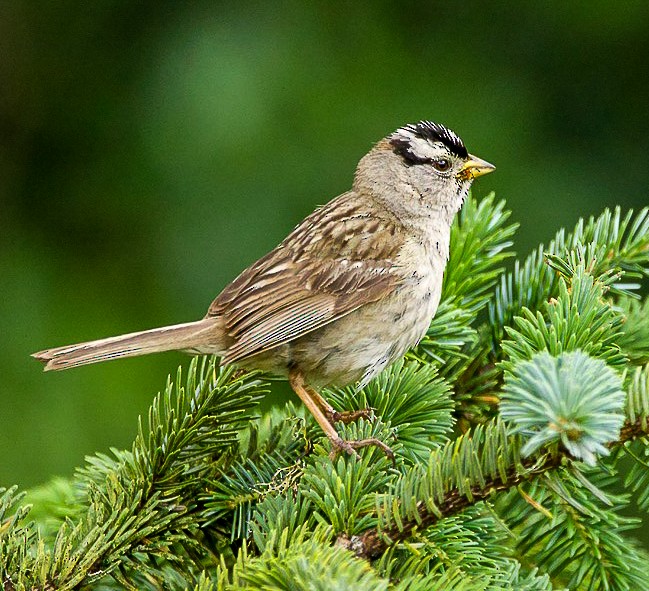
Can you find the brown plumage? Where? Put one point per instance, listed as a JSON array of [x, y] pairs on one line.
[[346, 293], [304, 283]]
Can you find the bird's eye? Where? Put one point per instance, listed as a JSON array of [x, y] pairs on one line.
[[442, 165]]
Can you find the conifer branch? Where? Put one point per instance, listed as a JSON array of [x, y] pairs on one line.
[[615, 243], [211, 498], [374, 542], [139, 507]]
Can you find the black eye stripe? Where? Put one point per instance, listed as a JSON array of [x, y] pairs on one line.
[[404, 149]]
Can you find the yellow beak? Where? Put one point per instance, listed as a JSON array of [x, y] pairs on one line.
[[475, 167]]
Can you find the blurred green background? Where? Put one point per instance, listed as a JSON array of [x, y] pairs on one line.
[[150, 150]]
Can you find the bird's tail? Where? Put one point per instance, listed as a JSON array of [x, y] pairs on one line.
[[203, 336]]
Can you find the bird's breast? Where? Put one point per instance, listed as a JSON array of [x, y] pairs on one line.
[[361, 344]]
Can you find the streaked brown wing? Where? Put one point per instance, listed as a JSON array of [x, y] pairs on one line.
[[304, 283]]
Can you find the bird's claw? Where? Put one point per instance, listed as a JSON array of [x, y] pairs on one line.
[[349, 416], [342, 445]]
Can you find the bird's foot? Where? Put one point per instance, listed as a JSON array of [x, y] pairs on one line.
[[348, 416], [340, 445]]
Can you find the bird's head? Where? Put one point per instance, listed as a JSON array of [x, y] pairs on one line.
[[426, 164]]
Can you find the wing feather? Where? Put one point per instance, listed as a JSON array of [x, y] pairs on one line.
[[305, 283], [282, 327]]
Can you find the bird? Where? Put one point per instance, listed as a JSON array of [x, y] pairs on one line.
[[345, 294]]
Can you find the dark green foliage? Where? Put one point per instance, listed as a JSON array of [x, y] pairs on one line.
[[17, 536], [638, 396], [576, 531], [615, 243], [136, 511], [264, 468], [472, 543], [212, 496], [480, 239], [303, 563], [634, 340], [577, 319], [410, 399]]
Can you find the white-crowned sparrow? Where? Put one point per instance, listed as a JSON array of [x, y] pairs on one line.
[[348, 292]]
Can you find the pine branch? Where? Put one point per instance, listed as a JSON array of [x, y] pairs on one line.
[[579, 318], [572, 399], [616, 243], [16, 537], [634, 340], [269, 461], [572, 522], [374, 542], [490, 460], [139, 507], [301, 562], [411, 398], [212, 498]]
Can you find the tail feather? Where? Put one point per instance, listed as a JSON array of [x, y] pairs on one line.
[[204, 336]]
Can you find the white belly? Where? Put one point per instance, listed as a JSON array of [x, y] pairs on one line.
[[360, 345]]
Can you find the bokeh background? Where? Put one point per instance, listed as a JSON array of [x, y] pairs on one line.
[[150, 150]]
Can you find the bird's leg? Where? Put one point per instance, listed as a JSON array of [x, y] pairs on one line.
[[296, 380], [333, 415]]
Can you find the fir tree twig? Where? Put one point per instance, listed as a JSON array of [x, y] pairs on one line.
[[372, 543]]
